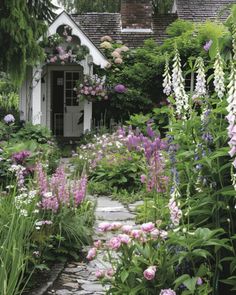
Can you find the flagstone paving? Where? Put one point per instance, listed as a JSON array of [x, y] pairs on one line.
[[78, 278]]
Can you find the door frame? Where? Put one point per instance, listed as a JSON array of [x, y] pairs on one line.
[[64, 100], [49, 87]]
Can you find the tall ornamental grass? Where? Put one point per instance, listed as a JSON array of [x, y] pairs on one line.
[[16, 228]]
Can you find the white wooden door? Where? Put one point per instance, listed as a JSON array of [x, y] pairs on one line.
[[73, 110]]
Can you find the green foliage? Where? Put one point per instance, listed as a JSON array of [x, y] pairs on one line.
[[21, 25]]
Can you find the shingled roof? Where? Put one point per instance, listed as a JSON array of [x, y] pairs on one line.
[[201, 10], [97, 25]]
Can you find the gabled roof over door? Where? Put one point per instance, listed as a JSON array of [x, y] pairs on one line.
[[65, 19]]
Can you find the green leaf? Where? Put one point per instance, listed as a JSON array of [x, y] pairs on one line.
[[190, 284], [124, 275]]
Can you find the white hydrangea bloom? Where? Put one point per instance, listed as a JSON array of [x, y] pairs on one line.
[[182, 99], [200, 88], [219, 76], [167, 80]]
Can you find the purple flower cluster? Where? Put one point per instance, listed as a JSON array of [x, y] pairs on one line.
[[57, 191], [93, 88], [207, 46], [120, 88], [20, 157], [152, 148]]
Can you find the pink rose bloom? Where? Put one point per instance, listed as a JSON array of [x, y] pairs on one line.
[[148, 227], [92, 254], [116, 225], [125, 239], [167, 292], [100, 273], [104, 226], [127, 229], [114, 243], [97, 244], [93, 93], [150, 273]]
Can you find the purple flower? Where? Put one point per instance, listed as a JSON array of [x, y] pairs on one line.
[[207, 46], [9, 119], [199, 281], [167, 292], [20, 157], [119, 88]]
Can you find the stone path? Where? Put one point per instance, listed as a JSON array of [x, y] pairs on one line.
[[78, 278]]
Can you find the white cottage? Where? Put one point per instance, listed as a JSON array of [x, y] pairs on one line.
[[47, 96]]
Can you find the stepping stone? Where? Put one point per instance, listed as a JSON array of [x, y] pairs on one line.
[[114, 216], [90, 287], [63, 292]]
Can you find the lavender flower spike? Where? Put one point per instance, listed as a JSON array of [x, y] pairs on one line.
[[207, 46]]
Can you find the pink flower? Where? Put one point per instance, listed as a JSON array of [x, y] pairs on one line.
[[100, 273], [114, 243], [150, 273], [148, 227], [104, 226], [116, 225], [127, 229], [199, 281], [143, 178], [97, 244], [92, 254], [136, 233], [163, 234], [110, 272], [125, 239], [155, 233]]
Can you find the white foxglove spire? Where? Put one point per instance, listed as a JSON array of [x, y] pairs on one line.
[[167, 80], [200, 88], [231, 117], [219, 76], [181, 98]]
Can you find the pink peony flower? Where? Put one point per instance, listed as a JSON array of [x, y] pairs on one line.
[[97, 244], [125, 239], [136, 233], [127, 229], [92, 254], [155, 233], [148, 227], [104, 226], [149, 273], [114, 243], [116, 225], [100, 273], [110, 272]]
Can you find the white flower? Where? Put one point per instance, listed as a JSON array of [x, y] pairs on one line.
[[48, 195], [167, 80], [200, 88], [219, 76], [23, 212], [182, 99]]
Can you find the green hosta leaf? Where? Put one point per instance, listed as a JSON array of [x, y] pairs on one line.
[[124, 275]]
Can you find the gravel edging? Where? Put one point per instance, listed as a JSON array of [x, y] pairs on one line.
[[55, 271]]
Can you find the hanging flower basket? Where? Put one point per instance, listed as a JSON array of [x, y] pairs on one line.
[[92, 89]]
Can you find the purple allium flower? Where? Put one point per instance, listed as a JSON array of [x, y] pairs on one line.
[[207, 46], [119, 88], [8, 119]]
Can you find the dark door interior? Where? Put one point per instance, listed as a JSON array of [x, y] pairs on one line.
[[57, 102]]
